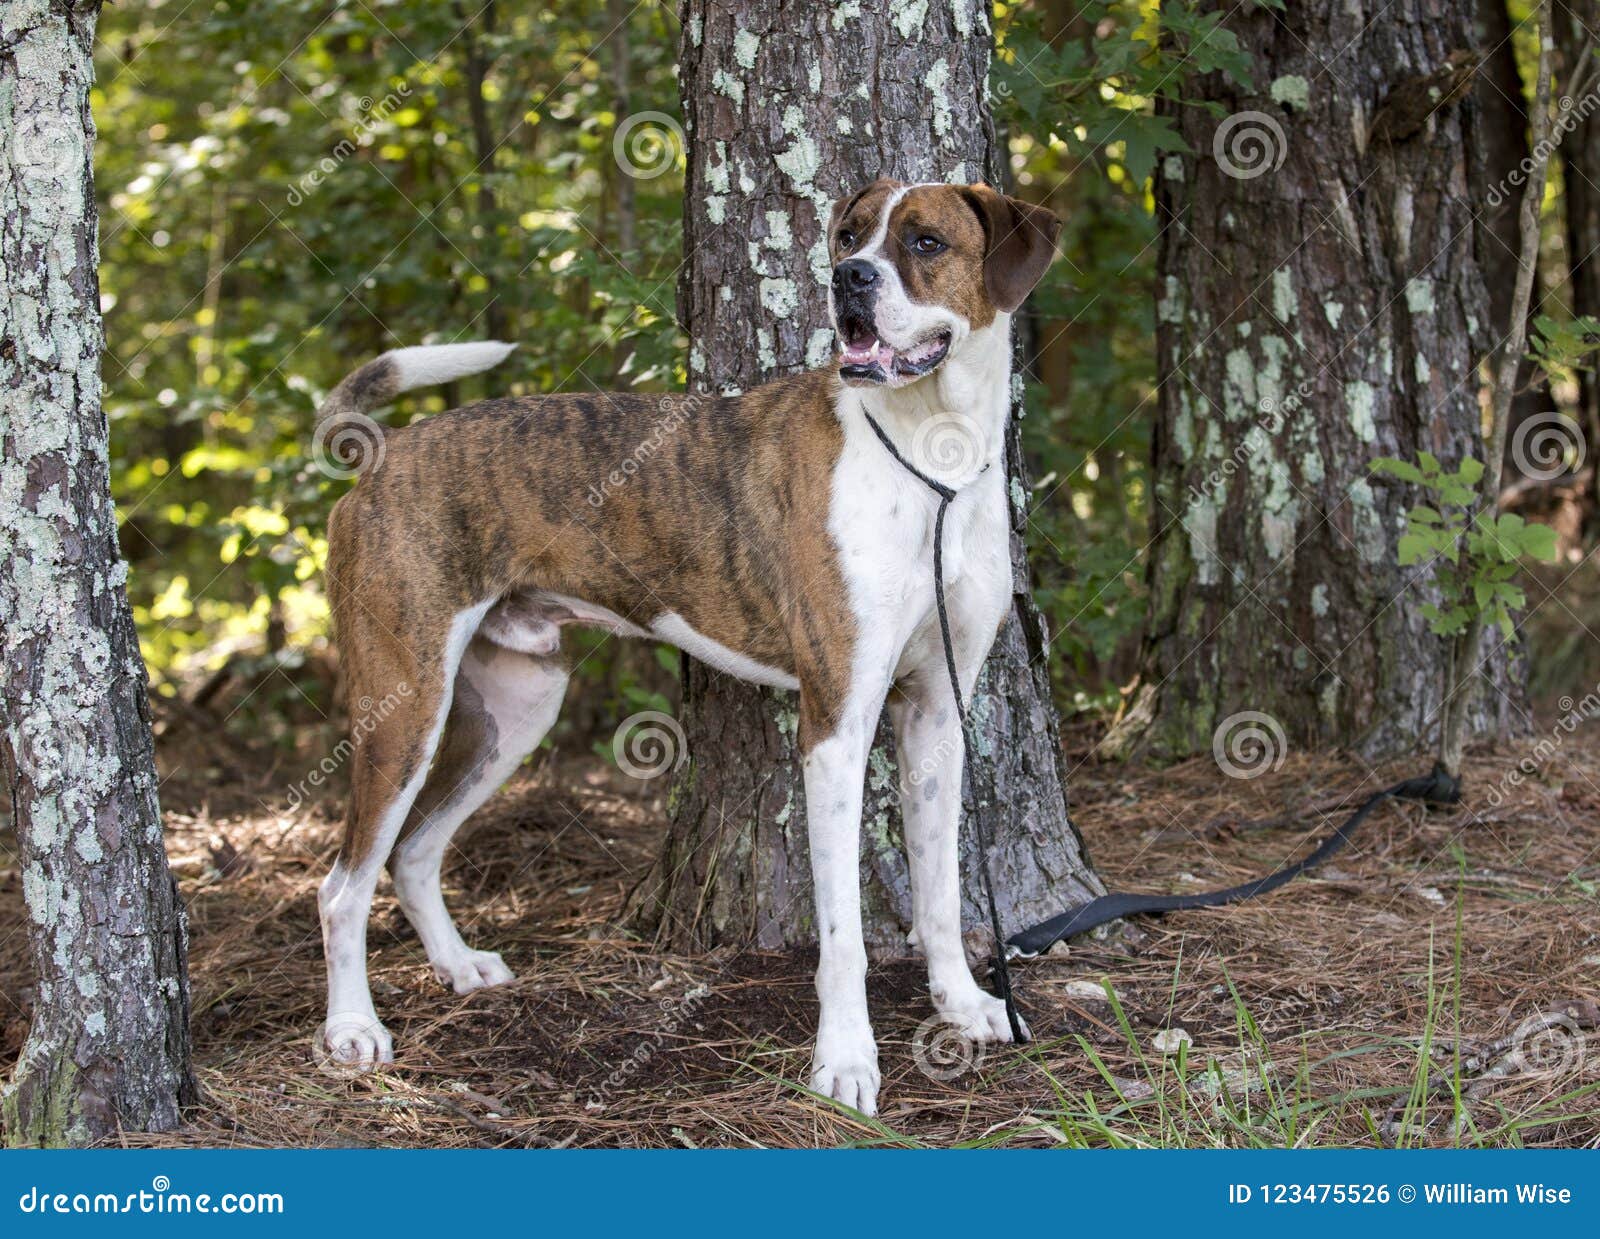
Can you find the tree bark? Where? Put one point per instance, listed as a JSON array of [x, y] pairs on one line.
[[785, 110], [108, 1049], [1320, 305]]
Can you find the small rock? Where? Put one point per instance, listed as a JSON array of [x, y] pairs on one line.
[[1171, 1040], [1132, 1090], [1094, 991]]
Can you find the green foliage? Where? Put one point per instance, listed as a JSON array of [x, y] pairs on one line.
[[1475, 554], [289, 188], [1565, 345], [1079, 104], [1093, 93]]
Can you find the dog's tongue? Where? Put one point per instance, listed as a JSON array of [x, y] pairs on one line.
[[868, 353]]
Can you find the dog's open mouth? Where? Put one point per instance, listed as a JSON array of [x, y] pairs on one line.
[[863, 356]]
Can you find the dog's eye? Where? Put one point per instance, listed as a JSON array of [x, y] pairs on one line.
[[926, 245], [847, 239]]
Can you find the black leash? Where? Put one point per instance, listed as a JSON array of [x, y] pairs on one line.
[[1438, 788]]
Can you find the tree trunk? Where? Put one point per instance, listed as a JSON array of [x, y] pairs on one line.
[[109, 1046], [1320, 305], [787, 109]]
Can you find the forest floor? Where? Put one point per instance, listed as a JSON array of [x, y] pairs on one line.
[[1433, 984]]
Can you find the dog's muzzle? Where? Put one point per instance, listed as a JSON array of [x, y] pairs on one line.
[[863, 357]]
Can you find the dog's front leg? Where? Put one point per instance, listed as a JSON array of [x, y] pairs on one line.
[[932, 754], [846, 1062]]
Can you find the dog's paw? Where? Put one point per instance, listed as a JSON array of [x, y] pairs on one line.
[[473, 970], [846, 1069], [354, 1044], [977, 1016]]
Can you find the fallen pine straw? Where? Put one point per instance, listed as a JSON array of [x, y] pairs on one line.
[[1345, 1008]]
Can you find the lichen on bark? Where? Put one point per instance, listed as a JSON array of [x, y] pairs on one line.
[[108, 1046], [1313, 314]]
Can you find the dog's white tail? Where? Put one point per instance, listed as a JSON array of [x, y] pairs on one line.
[[402, 369]]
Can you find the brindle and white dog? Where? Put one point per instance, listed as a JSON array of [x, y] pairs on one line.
[[771, 536]]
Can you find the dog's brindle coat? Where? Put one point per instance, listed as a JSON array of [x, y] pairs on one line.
[[768, 534]]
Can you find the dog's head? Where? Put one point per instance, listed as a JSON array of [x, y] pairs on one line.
[[918, 268]]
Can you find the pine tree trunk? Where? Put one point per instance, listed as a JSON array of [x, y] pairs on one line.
[[786, 110], [109, 1045], [1320, 305]]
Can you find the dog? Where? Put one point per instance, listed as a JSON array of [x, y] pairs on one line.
[[769, 534]]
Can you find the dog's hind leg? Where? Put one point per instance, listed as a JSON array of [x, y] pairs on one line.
[[504, 703], [399, 698]]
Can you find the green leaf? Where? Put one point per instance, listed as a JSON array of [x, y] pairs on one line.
[[1402, 469], [1414, 548], [1539, 541]]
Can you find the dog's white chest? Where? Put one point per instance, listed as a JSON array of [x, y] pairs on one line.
[[883, 521]]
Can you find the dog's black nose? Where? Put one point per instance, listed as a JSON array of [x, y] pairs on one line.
[[854, 275]]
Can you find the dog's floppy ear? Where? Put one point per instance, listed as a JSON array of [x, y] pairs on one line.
[[841, 206], [1021, 243]]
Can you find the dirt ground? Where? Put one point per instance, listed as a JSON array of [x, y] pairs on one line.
[[1469, 939]]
